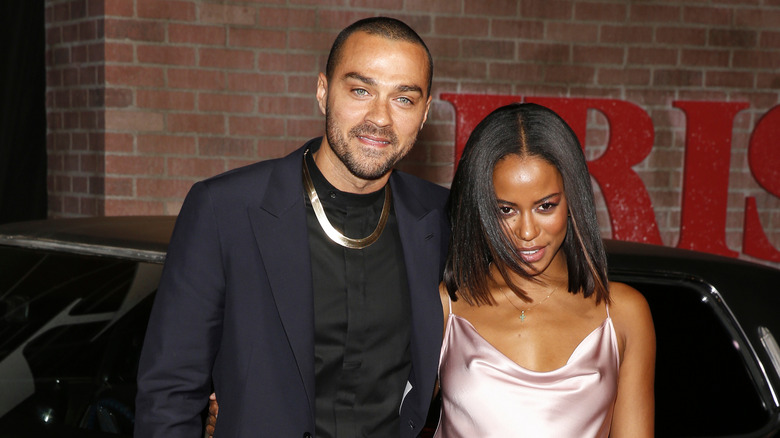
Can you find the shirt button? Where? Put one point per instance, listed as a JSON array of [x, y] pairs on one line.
[[306, 435], [411, 424], [332, 195]]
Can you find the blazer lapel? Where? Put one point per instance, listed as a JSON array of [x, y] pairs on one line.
[[420, 228], [279, 224]]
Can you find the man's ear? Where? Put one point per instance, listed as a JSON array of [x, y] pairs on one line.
[[322, 92], [427, 108]]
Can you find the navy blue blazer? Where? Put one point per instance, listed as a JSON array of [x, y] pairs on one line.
[[235, 307]]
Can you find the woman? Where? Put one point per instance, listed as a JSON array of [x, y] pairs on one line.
[[537, 341]]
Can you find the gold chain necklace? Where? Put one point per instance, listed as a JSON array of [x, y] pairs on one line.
[[333, 233], [522, 311]]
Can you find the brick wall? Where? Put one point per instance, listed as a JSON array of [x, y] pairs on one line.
[[146, 97]]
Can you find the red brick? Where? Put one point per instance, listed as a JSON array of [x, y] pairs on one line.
[[116, 142], [195, 34], [626, 34], [226, 147], [134, 165], [598, 54], [61, 12], [757, 18], [653, 12], [53, 36], [678, 78], [122, 8], [757, 59], [166, 9], [97, 53], [681, 36], [287, 62], [461, 69], [604, 12], [70, 77], [70, 33], [516, 72], [88, 30], [770, 40], [442, 47], [437, 6], [229, 103], [310, 40], [731, 79], [162, 99], [133, 75], [544, 52], [134, 30], [162, 188], [196, 79], [293, 106], [336, 19], [261, 38], [768, 81], [575, 32], [122, 120], [203, 123], [490, 49], [732, 38], [570, 75], [712, 15], [225, 14], [258, 82], [705, 57], [166, 144], [286, 17], [499, 8], [304, 84], [129, 207], [256, 126], [170, 55], [550, 9], [462, 27], [195, 167], [78, 54], [111, 97], [61, 56], [226, 58], [652, 56]]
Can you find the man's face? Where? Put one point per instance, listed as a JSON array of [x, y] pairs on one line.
[[375, 103]]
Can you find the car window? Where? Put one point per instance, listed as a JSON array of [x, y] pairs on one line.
[[703, 386], [71, 329]]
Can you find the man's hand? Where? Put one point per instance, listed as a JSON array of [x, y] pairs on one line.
[[211, 421]]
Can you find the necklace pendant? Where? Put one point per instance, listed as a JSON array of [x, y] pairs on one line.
[[522, 316]]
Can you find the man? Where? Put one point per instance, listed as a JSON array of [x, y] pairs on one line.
[[304, 289]]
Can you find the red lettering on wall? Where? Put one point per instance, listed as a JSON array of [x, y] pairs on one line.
[[706, 175], [631, 137], [764, 162]]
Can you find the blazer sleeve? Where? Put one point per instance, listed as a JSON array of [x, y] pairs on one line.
[[182, 338]]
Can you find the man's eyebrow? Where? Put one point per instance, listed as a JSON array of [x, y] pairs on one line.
[[371, 81]]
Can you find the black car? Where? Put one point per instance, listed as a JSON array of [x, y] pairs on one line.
[[75, 296]]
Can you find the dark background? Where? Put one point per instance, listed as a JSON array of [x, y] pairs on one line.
[[22, 111]]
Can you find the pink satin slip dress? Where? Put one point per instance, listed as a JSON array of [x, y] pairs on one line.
[[486, 394]]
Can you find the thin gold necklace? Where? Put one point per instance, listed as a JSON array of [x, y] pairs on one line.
[[522, 311], [333, 233]]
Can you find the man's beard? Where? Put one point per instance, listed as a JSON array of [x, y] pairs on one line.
[[367, 164]]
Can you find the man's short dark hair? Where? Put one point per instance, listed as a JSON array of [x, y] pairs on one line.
[[385, 27]]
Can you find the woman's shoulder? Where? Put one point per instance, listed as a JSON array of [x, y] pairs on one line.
[[628, 309]]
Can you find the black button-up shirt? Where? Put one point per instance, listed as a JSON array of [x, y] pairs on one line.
[[362, 317]]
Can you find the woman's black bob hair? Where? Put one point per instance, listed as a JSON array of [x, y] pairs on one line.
[[478, 237]]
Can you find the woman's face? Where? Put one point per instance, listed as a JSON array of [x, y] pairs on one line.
[[533, 208]]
